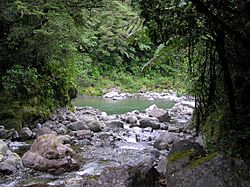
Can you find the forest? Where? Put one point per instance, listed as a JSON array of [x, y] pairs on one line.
[[52, 51]]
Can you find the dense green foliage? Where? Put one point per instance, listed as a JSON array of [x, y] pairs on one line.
[[50, 48], [116, 46], [214, 37], [39, 58]]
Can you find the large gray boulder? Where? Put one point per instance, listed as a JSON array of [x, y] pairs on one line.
[[47, 153], [43, 131], [189, 166], [88, 118], [148, 122], [114, 124], [78, 125], [9, 162], [95, 126], [165, 140], [131, 119], [161, 114]]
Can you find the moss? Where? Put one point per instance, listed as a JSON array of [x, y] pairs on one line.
[[92, 177], [180, 155], [211, 128], [15, 114], [200, 161]]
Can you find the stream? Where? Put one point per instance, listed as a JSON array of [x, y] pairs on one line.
[[122, 106]]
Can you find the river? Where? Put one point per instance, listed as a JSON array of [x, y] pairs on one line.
[[111, 106]]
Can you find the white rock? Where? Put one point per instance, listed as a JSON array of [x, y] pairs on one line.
[[111, 94]]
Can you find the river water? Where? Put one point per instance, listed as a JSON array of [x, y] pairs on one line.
[[111, 106]]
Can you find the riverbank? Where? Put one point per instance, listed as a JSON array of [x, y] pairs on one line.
[[132, 144], [167, 96], [88, 147]]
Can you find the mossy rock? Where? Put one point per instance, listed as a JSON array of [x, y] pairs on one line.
[[180, 155], [14, 114], [92, 177], [197, 162]]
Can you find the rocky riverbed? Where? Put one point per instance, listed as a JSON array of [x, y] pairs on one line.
[[87, 147]]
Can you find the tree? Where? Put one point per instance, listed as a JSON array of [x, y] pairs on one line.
[[216, 36], [46, 46], [39, 58]]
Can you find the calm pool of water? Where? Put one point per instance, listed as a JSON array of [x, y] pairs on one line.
[[120, 106]]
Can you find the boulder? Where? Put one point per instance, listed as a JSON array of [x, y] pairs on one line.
[[148, 122], [141, 175], [47, 153], [9, 162], [212, 170], [181, 155], [132, 119], [95, 126], [161, 114], [88, 118], [43, 131], [150, 108], [164, 141], [25, 133], [65, 139], [78, 125], [114, 124]]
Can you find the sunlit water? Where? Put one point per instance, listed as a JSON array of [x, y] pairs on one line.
[[120, 106]]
